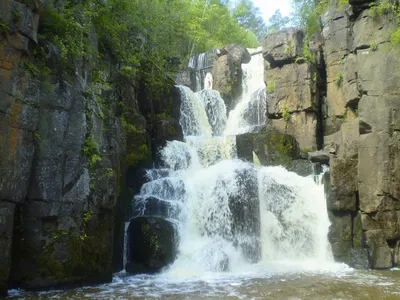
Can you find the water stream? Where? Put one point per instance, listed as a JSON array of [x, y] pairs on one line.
[[245, 231]]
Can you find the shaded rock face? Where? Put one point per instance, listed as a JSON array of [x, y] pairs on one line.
[[151, 244], [68, 163]]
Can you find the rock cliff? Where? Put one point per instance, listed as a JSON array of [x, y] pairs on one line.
[[339, 92], [74, 139]]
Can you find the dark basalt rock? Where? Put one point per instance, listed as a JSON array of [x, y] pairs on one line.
[[151, 245]]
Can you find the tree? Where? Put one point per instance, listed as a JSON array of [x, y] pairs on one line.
[[249, 16], [277, 22]]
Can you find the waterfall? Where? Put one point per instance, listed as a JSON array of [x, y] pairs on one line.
[[200, 67], [229, 213], [250, 111]]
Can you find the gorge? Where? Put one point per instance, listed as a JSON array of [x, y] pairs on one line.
[[248, 173]]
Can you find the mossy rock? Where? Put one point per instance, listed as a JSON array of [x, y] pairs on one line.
[[272, 148], [151, 244]]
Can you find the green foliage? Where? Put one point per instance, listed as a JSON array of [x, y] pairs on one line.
[[374, 46], [87, 215], [142, 35], [4, 27], [140, 154], [36, 135], [91, 151], [249, 16], [68, 28], [307, 53], [339, 78], [392, 9], [308, 13], [277, 22], [271, 87], [384, 7], [285, 113]]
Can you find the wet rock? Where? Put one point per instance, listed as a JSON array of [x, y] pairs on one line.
[[340, 236], [245, 210], [302, 167], [359, 259], [319, 156], [344, 185], [152, 245], [303, 126], [271, 148], [6, 236]]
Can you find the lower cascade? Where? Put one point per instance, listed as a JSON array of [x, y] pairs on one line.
[[227, 214]]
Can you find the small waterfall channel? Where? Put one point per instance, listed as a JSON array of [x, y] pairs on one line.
[[231, 215]]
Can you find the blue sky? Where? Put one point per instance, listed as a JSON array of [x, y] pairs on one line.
[[268, 7]]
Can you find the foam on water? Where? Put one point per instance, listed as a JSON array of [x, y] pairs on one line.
[[234, 218]]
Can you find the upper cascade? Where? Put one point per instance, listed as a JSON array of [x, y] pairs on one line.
[[250, 111]]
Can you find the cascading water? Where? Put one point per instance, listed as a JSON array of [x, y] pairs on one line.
[[245, 231], [249, 113], [200, 67], [230, 214]]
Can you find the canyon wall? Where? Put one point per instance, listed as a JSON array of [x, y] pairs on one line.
[[338, 92], [74, 139]]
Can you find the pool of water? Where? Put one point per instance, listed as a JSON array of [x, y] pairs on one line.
[[283, 280]]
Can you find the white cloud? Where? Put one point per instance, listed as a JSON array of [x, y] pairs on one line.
[[268, 7]]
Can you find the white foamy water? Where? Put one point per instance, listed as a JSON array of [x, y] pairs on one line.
[[234, 217], [245, 231], [251, 108]]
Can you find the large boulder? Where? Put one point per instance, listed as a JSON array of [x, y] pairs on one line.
[[227, 79], [227, 73], [152, 245], [245, 210], [237, 52], [283, 47], [271, 148]]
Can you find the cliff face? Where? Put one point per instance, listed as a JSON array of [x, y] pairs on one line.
[[349, 89], [74, 140]]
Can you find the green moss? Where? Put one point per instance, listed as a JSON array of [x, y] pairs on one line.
[[339, 78], [285, 113], [91, 151], [87, 254], [4, 28], [281, 149], [271, 87], [36, 135], [162, 116], [141, 153], [109, 172]]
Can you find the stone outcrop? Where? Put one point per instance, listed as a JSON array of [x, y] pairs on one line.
[[283, 47], [348, 100], [361, 117], [292, 95], [227, 73], [72, 153], [273, 149], [152, 245]]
